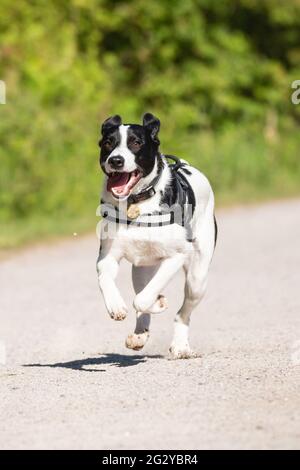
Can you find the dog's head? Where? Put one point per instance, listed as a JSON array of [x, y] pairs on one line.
[[128, 153]]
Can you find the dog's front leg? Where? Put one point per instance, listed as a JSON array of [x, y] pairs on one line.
[[141, 276], [107, 268], [148, 296]]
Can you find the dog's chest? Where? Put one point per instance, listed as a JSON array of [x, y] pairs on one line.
[[148, 246]]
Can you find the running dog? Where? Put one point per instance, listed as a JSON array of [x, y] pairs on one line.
[[159, 215]]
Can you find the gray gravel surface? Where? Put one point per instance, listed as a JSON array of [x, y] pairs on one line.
[[69, 382]]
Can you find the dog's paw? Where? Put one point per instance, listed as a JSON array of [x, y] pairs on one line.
[[117, 309], [119, 315], [136, 341], [181, 352], [160, 305]]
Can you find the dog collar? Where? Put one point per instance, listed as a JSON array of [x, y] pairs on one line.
[[146, 193]]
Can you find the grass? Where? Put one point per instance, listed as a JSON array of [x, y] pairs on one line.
[[50, 178], [15, 234]]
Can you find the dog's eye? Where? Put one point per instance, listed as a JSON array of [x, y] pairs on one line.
[[137, 142], [106, 143]]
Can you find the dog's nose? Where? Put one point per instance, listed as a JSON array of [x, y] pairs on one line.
[[116, 162]]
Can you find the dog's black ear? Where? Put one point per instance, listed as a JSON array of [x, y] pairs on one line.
[[152, 124], [111, 122]]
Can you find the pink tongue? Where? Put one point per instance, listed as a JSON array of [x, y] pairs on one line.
[[119, 180]]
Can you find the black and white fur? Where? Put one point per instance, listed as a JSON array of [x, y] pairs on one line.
[[156, 253]]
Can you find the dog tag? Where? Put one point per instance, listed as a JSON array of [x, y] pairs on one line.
[[133, 211]]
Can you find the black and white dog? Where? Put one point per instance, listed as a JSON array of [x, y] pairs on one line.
[[160, 217]]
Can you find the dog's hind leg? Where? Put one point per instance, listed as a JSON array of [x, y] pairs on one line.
[[196, 270], [141, 275], [195, 285]]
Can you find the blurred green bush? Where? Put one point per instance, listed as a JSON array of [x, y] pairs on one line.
[[218, 74]]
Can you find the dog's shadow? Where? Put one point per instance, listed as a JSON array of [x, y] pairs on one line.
[[117, 360]]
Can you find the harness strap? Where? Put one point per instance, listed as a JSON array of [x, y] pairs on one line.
[[185, 193], [153, 219]]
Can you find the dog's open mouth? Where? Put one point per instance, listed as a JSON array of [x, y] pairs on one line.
[[121, 183]]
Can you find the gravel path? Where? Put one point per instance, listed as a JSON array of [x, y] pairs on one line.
[[69, 382]]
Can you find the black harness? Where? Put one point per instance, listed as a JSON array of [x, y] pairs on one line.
[[180, 212], [185, 194]]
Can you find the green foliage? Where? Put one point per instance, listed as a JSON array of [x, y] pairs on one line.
[[217, 73]]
